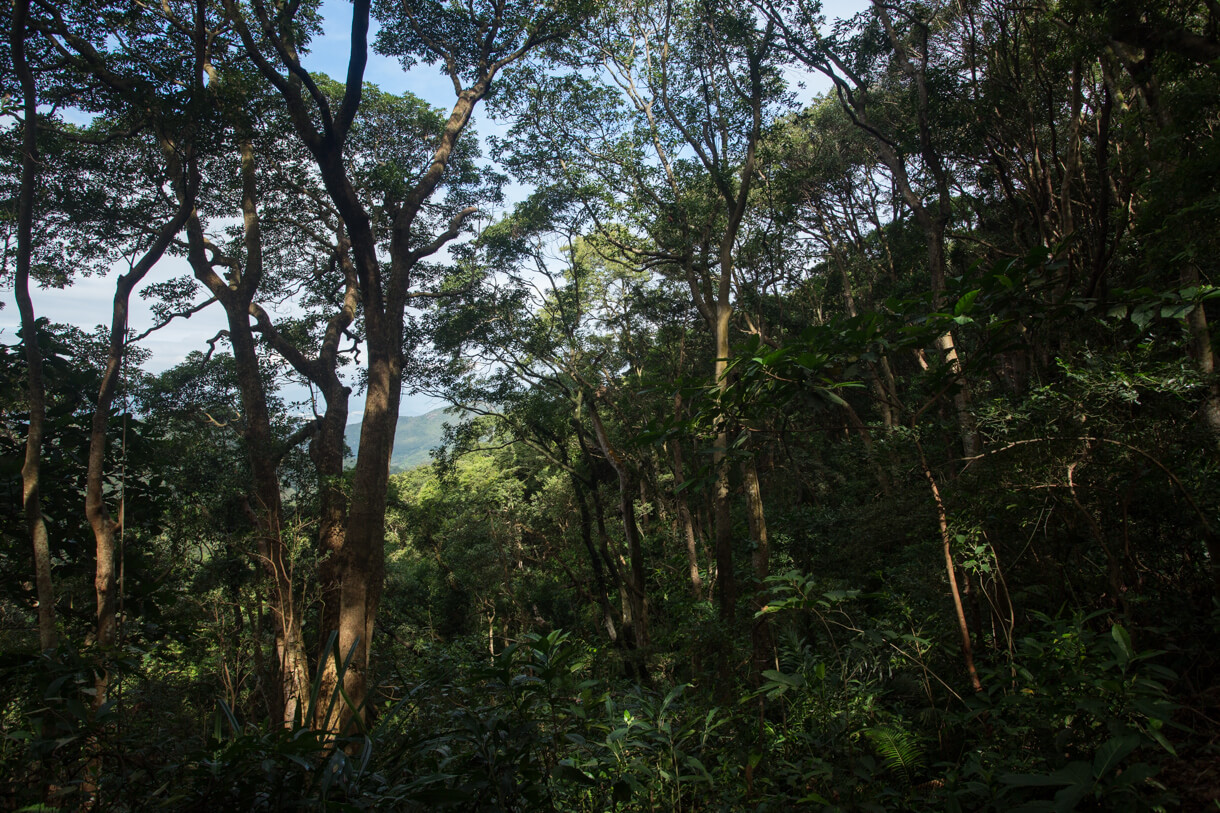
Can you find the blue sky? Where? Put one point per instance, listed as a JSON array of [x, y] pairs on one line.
[[87, 302]]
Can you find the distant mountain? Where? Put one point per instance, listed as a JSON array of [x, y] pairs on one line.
[[415, 437]]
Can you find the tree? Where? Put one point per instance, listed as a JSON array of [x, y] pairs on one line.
[[30, 472], [474, 45], [669, 109]]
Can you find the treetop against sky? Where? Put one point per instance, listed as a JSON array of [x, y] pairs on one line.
[[85, 303]]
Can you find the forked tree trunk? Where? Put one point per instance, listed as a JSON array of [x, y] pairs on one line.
[[236, 296]]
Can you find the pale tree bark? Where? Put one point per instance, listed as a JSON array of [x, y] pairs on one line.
[[31, 470], [942, 520]]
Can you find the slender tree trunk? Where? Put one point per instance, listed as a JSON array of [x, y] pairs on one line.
[[685, 518], [31, 470], [760, 557], [595, 562], [726, 593], [942, 518], [635, 582], [105, 528]]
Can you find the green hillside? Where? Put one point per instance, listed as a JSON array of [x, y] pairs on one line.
[[414, 438]]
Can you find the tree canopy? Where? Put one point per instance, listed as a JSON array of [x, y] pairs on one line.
[[833, 411]]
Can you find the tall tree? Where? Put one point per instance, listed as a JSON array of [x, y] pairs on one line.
[[31, 482], [669, 110], [473, 44], [907, 145]]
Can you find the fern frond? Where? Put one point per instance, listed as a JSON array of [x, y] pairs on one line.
[[898, 749]]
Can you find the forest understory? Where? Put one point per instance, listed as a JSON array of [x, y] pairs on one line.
[[834, 421]]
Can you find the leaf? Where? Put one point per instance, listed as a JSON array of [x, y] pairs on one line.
[[565, 772], [1112, 752], [793, 681], [898, 749], [964, 304], [1142, 316], [1160, 739], [1123, 639]]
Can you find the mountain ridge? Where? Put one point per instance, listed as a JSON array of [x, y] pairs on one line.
[[414, 438]]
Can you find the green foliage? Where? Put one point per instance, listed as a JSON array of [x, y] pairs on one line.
[[898, 750], [969, 303]]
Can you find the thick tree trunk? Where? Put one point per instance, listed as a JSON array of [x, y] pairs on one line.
[[236, 297], [361, 562], [273, 550], [326, 452]]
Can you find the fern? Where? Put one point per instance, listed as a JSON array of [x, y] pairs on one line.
[[898, 749]]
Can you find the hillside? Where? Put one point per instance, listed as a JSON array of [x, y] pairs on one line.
[[414, 438]]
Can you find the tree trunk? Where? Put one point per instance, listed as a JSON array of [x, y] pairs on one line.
[[106, 529], [942, 518], [361, 563], [760, 557], [635, 582], [1202, 355], [326, 452], [237, 297], [685, 517], [595, 562], [31, 470], [726, 593]]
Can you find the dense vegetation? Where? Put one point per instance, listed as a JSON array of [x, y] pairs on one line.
[[853, 451]]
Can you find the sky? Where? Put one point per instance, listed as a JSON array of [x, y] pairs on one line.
[[86, 303]]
